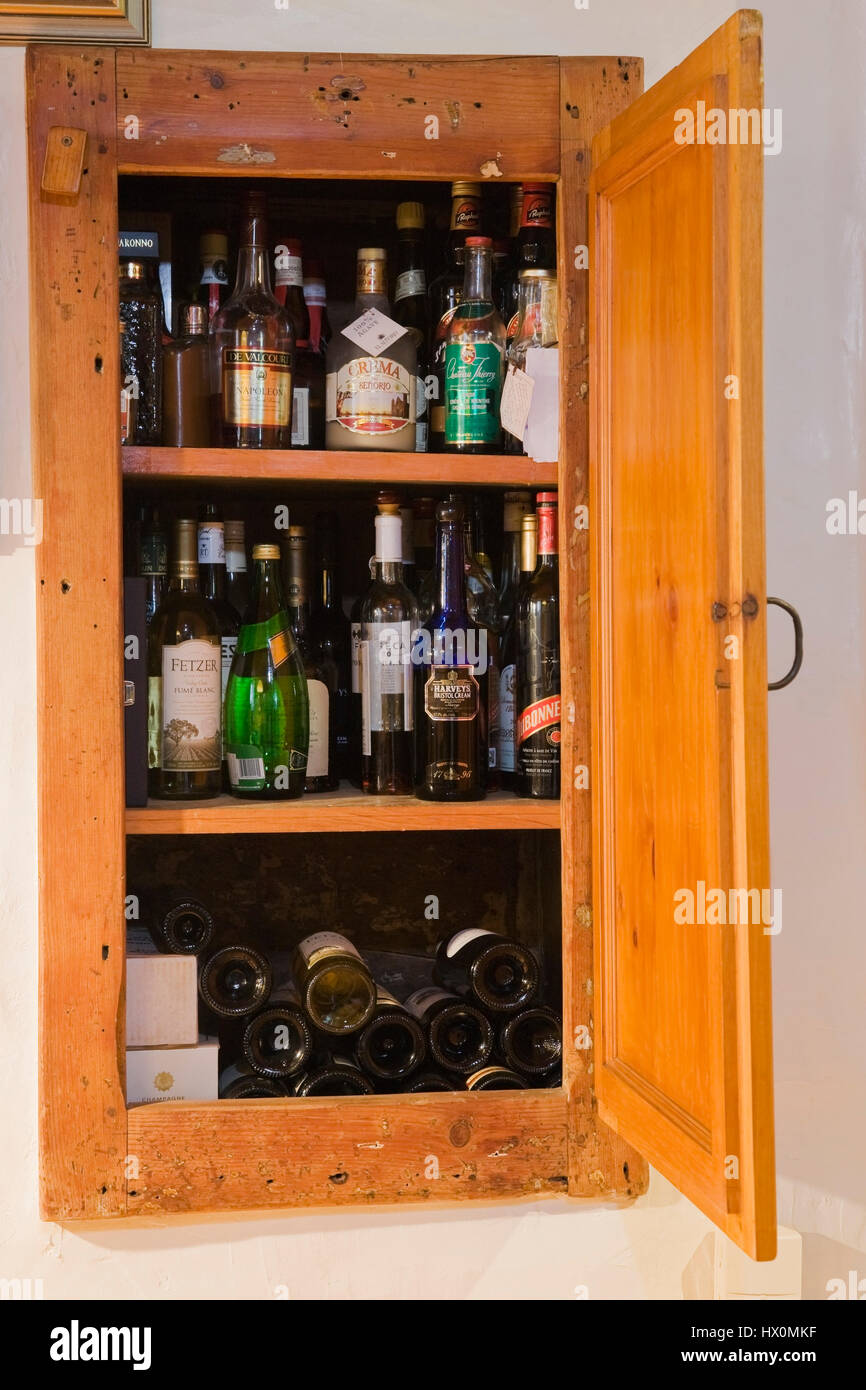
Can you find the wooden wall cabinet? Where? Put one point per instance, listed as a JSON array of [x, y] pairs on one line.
[[661, 520]]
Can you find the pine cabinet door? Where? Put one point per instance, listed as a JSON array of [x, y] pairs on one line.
[[683, 912]]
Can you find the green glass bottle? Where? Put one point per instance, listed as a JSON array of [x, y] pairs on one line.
[[267, 712]]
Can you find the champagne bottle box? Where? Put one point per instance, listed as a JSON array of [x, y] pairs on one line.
[[135, 671], [173, 1073], [161, 996]]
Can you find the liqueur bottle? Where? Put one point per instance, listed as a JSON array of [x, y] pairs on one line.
[[446, 291], [474, 357], [320, 671], [278, 1040], [153, 560], [536, 327], [535, 249], [339, 1076], [234, 982], [392, 1045], [459, 1036], [531, 1042], [329, 628], [315, 298], [213, 255], [142, 314], [336, 988], [372, 369], [388, 621], [186, 384], [289, 287], [539, 702], [267, 712], [184, 694], [451, 653], [499, 974], [411, 307], [495, 1079], [254, 346], [237, 580], [507, 750]]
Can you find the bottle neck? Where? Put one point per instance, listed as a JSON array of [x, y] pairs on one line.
[[267, 591], [328, 586], [450, 569], [547, 542], [478, 280], [254, 270], [212, 579], [184, 583], [511, 559]]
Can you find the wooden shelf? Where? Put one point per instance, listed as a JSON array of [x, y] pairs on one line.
[[339, 811], [321, 466]]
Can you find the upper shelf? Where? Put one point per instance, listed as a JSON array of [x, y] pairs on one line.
[[344, 810], [311, 465]]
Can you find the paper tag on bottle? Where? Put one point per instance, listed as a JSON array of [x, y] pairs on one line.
[[541, 437], [515, 403], [374, 332]]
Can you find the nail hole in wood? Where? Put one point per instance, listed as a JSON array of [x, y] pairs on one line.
[[97, 363]]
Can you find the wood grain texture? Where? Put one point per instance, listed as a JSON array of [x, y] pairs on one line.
[[357, 1151], [75, 375], [336, 116], [336, 466], [593, 91], [683, 1050]]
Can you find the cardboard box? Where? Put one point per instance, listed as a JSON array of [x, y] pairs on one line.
[[172, 1073], [161, 999]]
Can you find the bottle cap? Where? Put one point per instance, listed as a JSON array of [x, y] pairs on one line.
[[546, 499], [410, 215], [195, 320], [371, 253], [213, 244], [133, 270], [266, 552], [465, 189], [536, 274], [388, 503], [234, 530], [481, 241]]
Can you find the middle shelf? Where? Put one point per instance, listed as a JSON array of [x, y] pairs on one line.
[[338, 466]]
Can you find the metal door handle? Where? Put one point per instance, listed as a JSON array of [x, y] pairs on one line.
[[798, 644]]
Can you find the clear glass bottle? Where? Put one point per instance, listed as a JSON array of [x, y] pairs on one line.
[[474, 358], [142, 315], [153, 560], [388, 621], [537, 293], [237, 579], [186, 384]]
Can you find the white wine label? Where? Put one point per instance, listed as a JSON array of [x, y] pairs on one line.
[[191, 707], [419, 1002], [386, 679], [507, 689], [371, 396], [317, 759], [374, 332], [410, 282], [300, 417], [211, 544], [462, 938], [356, 658], [256, 387], [325, 943], [451, 694], [228, 646]]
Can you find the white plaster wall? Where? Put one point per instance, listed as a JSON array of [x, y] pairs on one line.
[[816, 422]]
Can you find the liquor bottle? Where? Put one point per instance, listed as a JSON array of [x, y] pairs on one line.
[[539, 702], [315, 298], [482, 531], [355, 701], [410, 289], [240, 1082], [335, 986], [505, 291], [482, 603], [452, 655], [372, 370], [432, 1081], [213, 256], [407, 547], [424, 533], [446, 291], [289, 287], [308, 399], [516, 505], [388, 622], [499, 974], [153, 560], [339, 1076], [184, 927], [254, 346], [536, 327], [531, 1041], [460, 1038], [474, 356], [142, 314], [234, 982], [184, 696], [507, 750], [392, 1045], [320, 671], [128, 394], [212, 578], [536, 245], [237, 581], [186, 384], [495, 1079], [278, 1040], [267, 711], [329, 628]]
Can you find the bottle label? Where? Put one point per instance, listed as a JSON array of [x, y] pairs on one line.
[[236, 560], [256, 387], [355, 640], [465, 214], [317, 759], [473, 381], [451, 694], [191, 707], [373, 331], [507, 688], [246, 767], [462, 938], [540, 715], [228, 645], [214, 271], [300, 417], [419, 1002], [410, 282], [153, 555], [537, 207], [314, 292], [325, 943], [511, 330], [211, 544], [547, 530], [385, 653], [420, 436], [371, 396], [517, 505], [274, 636], [288, 269]]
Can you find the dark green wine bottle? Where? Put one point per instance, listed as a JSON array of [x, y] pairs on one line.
[[267, 713]]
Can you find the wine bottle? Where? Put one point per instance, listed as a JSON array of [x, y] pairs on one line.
[[339, 1076], [278, 1039], [237, 581], [392, 1044], [335, 986], [254, 346], [388, 619], [531, 1041], [184, 928], [212, 577], [482, 604], [184, 696], [500, 974], [432, 1081], [355, 702], [539, 700], [329, 628], [507, 751], [320, 671], [424, 529], [289, 287], [495, 1079], [234, 981], [516, 506], [267, 713], [451, 653], [240, 1082], [153, 560], [459, 1036], [474, 358]]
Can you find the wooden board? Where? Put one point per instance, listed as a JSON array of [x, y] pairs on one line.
[[683, 1036], [281, 115], [75, 348], [326, 466], [593, 90]]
